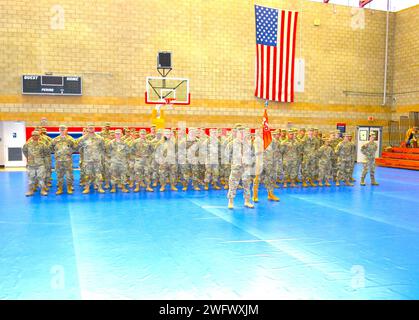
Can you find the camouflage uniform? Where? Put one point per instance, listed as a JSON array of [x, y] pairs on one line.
[[225, 161], [184, 168], [93, 147], [35, 153], [141, 151], [165, 154], [212, 167], [309, 149], [118, 153], [369, 149], [48, 161], [333, 143], [325, 155], [291, 153], [240, 168], [344, 160], [63, 148]]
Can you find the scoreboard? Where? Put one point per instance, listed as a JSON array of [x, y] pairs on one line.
[[52, 85]]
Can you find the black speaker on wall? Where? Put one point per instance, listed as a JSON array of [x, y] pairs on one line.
[[164, 60]]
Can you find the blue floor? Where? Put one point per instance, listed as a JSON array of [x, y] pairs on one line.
[[317, 243]]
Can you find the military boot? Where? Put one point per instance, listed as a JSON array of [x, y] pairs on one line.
[[373, 182], [60, 190], [123, 188], [226, 186], [272, 197], [86, 188], [327, 184], [44, 192], [216, 186], [163, 187], [362, 183], [337, 183], [293, 185], [69, 189], [100, 189], [305, 185], [206, 187], [149, 189], [173, 187], [348, 183], [137, 187], [312, 183], [248, 204], [113, 190], [230, 203], [320, 184], [31, 191]]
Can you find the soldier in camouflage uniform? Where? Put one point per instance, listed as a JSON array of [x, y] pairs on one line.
[[63, 147], [212, 167], [344, 155], [225, 154], [81, 162], [277, 157], [369, 151], [193, 148], [325, 155], [309, 149], [265, 167], [154, 139], [35, 152], [300, 138], [353, 159], [48, 161], [93, 147], [241, 151], [141, 151], [334, 141], [118, 152], [107, 159], [184, 168], [291, 153], [165, 154]]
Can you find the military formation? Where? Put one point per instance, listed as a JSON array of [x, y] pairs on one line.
[[130, 160]]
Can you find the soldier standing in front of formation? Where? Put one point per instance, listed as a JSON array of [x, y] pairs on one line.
[[239, 169], [369, 150], [63, 147], [344, 155], [35, 152], [118, 153], [93, 147]]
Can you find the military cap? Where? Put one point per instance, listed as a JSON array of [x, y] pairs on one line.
[[35, 133], [372, 134], [238, 125], [118, 131], [111, 131], [347, 134], [107, 124], [44, 130], [90, 124], [143, 131], [316, 129], [302, 129], [63, 126], [291, 131], [310, 129]]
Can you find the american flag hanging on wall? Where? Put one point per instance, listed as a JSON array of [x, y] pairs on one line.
[[276, 32]]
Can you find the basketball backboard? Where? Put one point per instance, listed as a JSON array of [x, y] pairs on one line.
[[159, 89]]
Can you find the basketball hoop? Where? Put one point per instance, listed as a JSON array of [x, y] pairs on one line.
[[169, 103]]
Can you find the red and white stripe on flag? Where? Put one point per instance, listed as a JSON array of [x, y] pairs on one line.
[[275, 63]]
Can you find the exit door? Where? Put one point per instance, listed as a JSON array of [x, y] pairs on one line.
[[363, 134]]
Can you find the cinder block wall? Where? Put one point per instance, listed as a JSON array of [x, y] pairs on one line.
[[113, 46]]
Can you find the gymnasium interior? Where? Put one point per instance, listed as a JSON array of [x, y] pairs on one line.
[[347, 66]]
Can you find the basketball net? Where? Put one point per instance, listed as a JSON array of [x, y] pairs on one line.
[[168, 105]]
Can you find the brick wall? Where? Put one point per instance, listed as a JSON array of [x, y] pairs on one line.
[[113, 46]]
